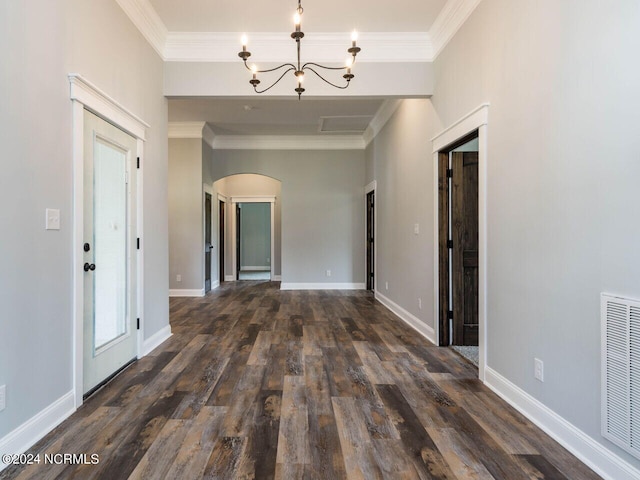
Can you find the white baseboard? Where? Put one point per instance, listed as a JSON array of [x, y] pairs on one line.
[[322, 286], [229, 278], [276, 278], [155, 340], [255, 268], [186, 293], [602, 460], [408, 318], [26, 435], [215, 284]]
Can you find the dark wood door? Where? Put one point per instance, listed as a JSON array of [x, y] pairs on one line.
[[221, 220], [444, 334], [370, 239], [464, 252], [238, 243], [207, 242]]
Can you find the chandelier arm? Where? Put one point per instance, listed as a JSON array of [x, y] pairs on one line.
[[306, 65], [290, 65], [327, 81], [274, 83]]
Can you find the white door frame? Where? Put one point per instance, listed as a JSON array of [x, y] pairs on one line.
[[371, 187], [85, 95], [477, 119], [251, 199]]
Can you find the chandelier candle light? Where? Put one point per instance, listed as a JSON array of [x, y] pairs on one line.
[[298, 69]]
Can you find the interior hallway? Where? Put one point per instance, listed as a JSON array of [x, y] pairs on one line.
[[262, 383]]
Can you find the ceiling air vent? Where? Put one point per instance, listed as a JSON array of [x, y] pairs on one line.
[[621, 372], [345, 124]]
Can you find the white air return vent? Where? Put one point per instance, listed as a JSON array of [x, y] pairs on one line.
[[621, 372], [345, 124]]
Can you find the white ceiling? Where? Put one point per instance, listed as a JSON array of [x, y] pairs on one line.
[[269, 116], [277, 15], [163, 21]]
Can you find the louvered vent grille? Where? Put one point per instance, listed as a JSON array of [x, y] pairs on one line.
[[621, 372]]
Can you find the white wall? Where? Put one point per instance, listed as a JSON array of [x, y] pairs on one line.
[[562, 195], [43, 41], [322, 209]]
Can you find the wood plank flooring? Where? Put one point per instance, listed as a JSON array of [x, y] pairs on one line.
[[259, 383]]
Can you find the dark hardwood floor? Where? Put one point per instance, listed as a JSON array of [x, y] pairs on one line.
[[259, 383]]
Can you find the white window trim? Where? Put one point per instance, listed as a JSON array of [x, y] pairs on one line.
[[85, 95]]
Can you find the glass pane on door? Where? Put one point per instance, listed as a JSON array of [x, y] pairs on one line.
[[110, 243]]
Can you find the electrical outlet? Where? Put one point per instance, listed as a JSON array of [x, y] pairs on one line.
[[328, 273], [3, 397], [268, 260], [538, 369], [178, 278], [420, 303], [386, 285], [416, 228]]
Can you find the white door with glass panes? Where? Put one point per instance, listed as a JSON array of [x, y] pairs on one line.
[[109, 250]]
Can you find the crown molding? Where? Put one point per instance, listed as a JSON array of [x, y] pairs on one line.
[[276, 47], [451, 18], [185, 129], [200, 130], [388, 47], [288, 142], [147, 20], [382, 116], [207, 135]]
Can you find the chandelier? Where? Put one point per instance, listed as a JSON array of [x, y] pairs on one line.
[[298, 69]]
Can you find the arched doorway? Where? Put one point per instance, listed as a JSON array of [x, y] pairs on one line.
[[241, 252]]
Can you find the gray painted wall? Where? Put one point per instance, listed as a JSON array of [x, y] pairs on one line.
[[398, 159], [322, 209], [563, 165], [43, 42], [186, 244], [255, 237]]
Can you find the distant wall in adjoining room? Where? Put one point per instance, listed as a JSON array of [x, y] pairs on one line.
[[322, 209], [255, 236]]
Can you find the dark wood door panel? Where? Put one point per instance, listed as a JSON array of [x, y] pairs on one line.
[[464, 229]]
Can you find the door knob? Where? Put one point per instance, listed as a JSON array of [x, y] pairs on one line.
[[89, 266]]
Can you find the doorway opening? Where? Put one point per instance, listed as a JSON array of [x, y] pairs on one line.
[[473, 125], [249, 219], [108, 284], [253, 241], [458, 232], [370, 237], [221, 237], [207, 241]]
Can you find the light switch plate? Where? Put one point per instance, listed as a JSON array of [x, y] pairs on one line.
[[3, 397], [52, 221]]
